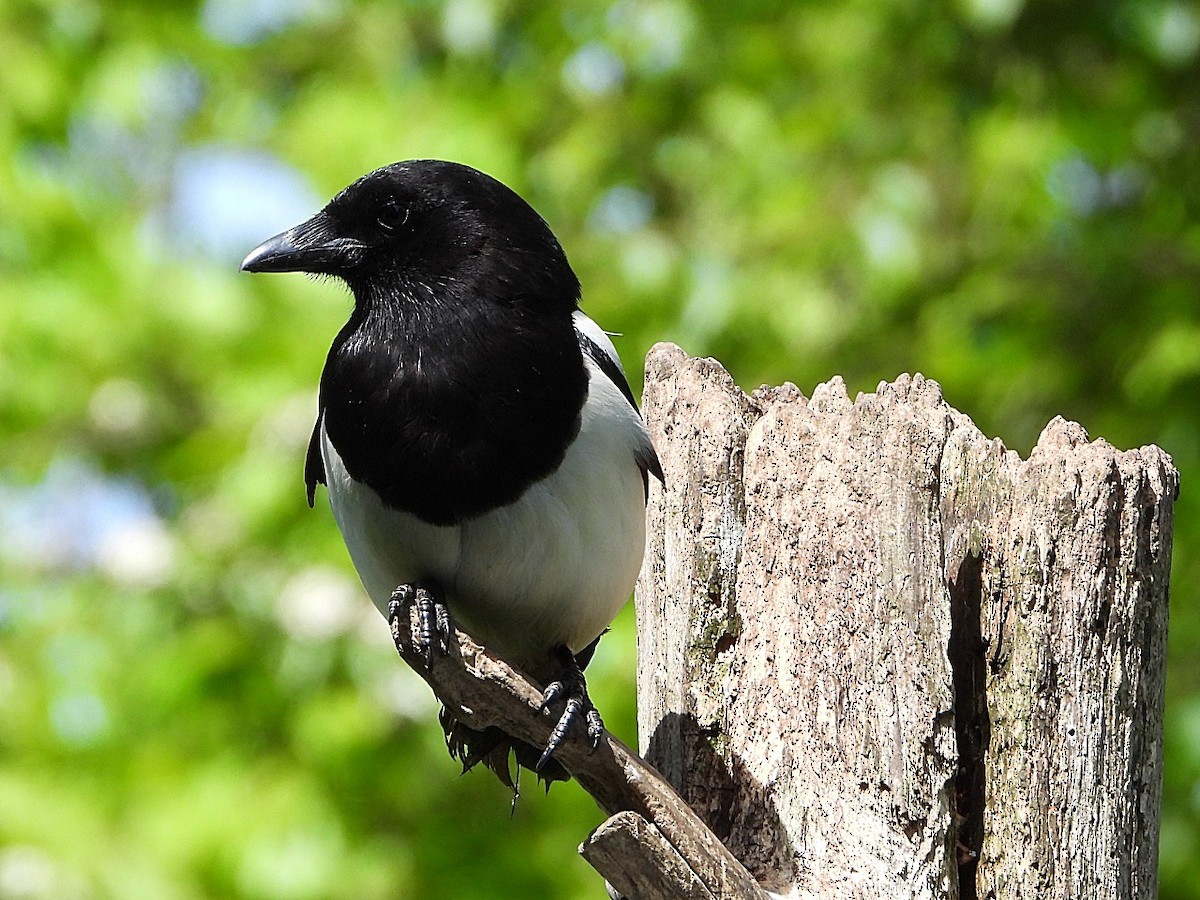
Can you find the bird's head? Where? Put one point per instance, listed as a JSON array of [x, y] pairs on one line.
[[427, 227]]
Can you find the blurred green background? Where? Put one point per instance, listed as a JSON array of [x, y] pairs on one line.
[[195, 700]]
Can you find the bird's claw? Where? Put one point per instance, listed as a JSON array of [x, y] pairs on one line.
[[434, 631], [573, 687]]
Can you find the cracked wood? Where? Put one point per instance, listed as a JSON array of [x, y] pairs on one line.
[[883, 656]]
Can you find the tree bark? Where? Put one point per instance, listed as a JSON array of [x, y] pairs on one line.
[[882, 656]]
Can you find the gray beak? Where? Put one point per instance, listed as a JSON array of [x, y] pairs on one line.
[[309, 247]]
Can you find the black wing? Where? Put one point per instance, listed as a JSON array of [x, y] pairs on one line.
[[607, 365], [314, 464], [647, 458]]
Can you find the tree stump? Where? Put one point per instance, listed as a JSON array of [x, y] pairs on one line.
[[882, 656]]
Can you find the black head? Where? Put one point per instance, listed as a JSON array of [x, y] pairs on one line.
[[426, 227]]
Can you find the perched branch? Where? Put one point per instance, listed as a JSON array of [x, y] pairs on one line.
[[482, 690]]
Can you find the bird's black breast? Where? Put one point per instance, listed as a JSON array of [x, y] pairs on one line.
[[450, 419]]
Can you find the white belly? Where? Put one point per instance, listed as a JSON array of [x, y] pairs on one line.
[[554, 568]]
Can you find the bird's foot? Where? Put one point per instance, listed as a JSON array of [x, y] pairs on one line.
[[434, 631], [572, 687]]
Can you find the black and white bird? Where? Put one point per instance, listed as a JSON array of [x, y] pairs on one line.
[[476, 433]]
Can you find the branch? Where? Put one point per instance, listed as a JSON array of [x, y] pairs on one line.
[[482, 690], [639, 862]]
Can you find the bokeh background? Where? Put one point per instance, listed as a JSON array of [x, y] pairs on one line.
[[195, 699]]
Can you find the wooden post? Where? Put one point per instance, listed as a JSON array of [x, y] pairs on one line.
[[882, 656]]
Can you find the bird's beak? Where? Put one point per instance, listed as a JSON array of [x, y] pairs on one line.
[[309, 247]]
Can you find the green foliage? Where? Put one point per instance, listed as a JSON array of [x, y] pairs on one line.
[[1001, 195]]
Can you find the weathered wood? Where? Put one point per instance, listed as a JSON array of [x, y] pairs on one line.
[[1076, 549], [639, 862], [882, 656]]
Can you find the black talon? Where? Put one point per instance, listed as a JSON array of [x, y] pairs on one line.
[[400, 598], [444, 629], [554, 690], [595, 727], [434, 631], [572, 686]]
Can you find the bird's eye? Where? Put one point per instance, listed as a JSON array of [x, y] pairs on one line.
[[392, 215]]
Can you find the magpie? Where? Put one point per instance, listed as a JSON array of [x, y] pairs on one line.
[[482, 450]]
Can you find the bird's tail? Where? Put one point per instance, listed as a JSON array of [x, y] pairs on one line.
[[497, 750]]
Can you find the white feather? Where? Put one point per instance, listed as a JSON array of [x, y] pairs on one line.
[[552, 568]]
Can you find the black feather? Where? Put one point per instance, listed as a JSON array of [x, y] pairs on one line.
[[457, 383], [314, 464], [647, 460]]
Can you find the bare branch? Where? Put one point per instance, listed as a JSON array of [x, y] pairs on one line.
[[639, 862]]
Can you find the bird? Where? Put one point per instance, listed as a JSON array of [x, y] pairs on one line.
[[482, 450]]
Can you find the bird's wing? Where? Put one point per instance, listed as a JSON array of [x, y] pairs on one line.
[[314, 464], [600, 350]]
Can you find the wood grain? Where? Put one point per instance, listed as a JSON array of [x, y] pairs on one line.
[[883, 656]]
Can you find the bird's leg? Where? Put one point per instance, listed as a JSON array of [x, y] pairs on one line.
[[571, 686], [434, 631]]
